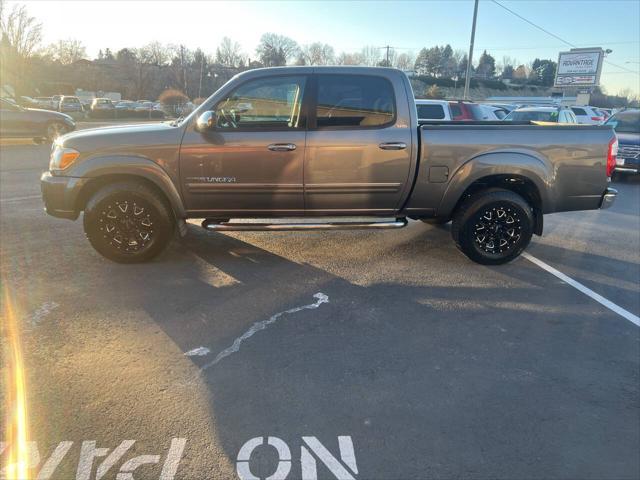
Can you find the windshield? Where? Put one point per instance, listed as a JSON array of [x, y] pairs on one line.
[[625, 122], [532, 116]]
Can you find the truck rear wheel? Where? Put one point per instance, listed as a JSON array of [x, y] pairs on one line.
[[128, 222], [493, 227]]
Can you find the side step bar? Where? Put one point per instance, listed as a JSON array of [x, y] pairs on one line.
[[212, 224]]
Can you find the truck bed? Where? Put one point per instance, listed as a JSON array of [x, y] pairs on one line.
[[566, 163]]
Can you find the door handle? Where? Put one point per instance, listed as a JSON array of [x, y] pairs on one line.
[[393, 146], [282, 147]]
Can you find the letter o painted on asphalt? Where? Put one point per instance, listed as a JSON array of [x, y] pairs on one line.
[[244, 455]]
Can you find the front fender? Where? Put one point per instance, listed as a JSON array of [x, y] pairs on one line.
[[125, 165], [523, 165]]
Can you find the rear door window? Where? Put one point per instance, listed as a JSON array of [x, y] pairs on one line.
[[578, 111], [430, 112], [354, 101]]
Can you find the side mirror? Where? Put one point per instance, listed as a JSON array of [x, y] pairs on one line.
[[206, 121]]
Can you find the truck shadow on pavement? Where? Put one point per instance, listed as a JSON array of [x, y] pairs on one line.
[[429, 381]]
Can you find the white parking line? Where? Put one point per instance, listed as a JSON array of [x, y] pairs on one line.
[[587, 291], [19, 199]]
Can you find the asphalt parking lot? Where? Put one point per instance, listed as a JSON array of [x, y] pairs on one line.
[[377, 355]]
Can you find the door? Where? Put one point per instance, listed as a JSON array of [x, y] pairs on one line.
[[251, 161], [358, 145]]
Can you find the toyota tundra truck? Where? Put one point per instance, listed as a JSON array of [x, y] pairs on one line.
[[308, 144]]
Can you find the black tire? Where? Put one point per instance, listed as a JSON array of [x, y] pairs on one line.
[[505, 215], [119, 232]]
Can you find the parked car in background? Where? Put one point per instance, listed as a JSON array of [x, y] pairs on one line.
[[587, 115], [626, 123], [462, 110], [28, 102], [17, 121], [125, 108], [542, 114], [55, 100], [489, 112], [507, 107], [46, 103], [433, 110], [147, 109], [604, 113], [102, 107], [70, 104], [608, 111]]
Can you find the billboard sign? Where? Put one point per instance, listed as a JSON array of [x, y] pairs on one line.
[[579, 67]]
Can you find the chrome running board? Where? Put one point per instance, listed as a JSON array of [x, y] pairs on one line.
[[212, 224]]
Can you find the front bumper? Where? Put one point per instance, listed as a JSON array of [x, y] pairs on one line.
[[608, 198], [60, 194]]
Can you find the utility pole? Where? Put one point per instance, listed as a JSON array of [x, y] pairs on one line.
[[201, 67], [467, 78], [387, 48]]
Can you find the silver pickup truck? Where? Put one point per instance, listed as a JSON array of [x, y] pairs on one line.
[[321, 142]]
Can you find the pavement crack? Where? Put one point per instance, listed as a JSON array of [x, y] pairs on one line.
[[256, 327]]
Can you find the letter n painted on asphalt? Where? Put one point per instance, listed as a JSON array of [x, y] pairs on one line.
[[340, 471]]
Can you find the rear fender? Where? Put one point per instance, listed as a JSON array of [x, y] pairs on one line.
[[502, 163]]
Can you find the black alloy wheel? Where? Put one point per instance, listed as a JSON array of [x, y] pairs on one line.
[[128, 222], [493, 227]]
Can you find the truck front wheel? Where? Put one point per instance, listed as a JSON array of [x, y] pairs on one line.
[[128, 222], [493, 227]]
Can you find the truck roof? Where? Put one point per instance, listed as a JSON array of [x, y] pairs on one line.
[[343, 69]]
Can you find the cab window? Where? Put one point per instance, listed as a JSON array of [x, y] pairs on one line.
[[263, 103], [354, 101]]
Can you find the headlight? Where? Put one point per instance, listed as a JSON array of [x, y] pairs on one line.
[[61, 158]]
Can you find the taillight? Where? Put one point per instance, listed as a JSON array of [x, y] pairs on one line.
[[611, 156], [597, 119]]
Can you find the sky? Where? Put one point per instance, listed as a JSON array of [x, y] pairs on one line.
[[351, 25]]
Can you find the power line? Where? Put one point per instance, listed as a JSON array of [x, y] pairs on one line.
[[533, 24], [553, 34]]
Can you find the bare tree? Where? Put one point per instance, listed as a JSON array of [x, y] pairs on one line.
[[229, 53], [350, 59], [405, 61], [370, 55], [154, 53], [22, 32], [318, 54], [20, 37], [276, 50], [66, 51]]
